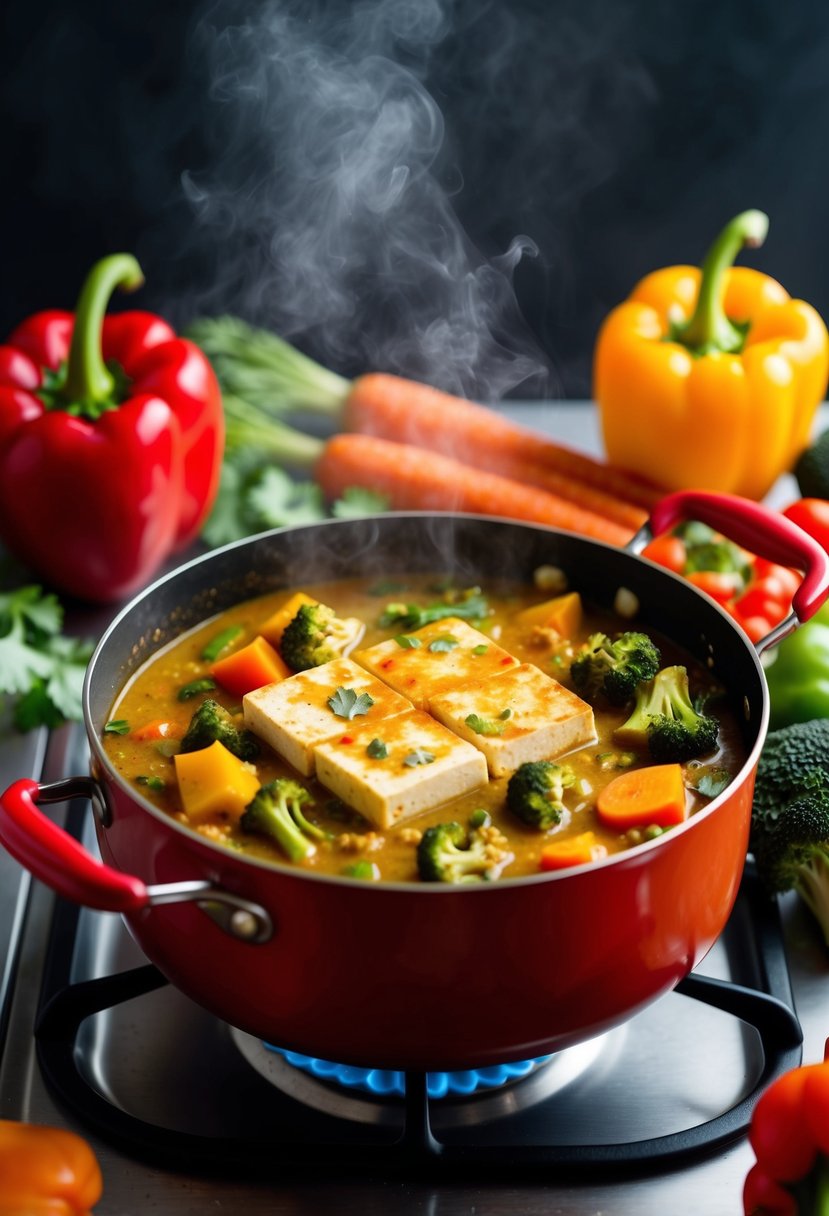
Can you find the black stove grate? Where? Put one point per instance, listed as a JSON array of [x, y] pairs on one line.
[[289, 1137]]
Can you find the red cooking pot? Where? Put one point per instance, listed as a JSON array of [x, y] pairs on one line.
[[396, 975]]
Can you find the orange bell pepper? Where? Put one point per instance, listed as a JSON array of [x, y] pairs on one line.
[[710, 379], [46, 1171]]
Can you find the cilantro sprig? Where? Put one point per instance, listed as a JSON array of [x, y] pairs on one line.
[[346, 703], [41, 669]]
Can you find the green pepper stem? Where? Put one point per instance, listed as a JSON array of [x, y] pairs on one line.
[[87, 376], [709, 328]]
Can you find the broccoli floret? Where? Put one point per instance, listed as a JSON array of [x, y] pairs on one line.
[[790, 814], [276, 811], [469, 605], [316, 635], [448, 852], [535, 792], [665, 719], [615, 669], [211, 723]]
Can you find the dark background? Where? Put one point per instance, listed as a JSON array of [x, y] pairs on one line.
[[230, 146]]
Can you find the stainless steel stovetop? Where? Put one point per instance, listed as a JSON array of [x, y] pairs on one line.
[[188, 1116]]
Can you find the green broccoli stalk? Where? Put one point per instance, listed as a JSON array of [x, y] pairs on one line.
[[448, 852], [614, 669], [790, 815], [316, 635], [666, 721], [276, 811], [535, 792], [212, 723]]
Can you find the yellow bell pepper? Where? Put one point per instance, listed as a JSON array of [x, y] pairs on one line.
[[710, 379], [46, 1171]]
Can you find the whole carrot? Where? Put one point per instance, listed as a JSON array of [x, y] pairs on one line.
[[414, 479], [272, 377], [406, 412]]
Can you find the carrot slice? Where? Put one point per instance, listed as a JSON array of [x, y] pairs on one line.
[[642, 796], [251, 667], [571, 851], [158, 728]]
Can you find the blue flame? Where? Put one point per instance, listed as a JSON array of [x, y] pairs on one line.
[[390, 1083]]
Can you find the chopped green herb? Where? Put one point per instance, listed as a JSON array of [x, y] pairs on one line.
[[39, 666], [473, 607], [366, 871], [220, 643], [357, 501], [444, 644], [346, 703], [505, 713], [713, 782], [205, 684], [117, 726], [152, 783], [407, 641], [418, 756], [485, 726], [482, 649], [377, 749]]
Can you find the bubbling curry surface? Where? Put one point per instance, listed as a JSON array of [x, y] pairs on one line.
[[149, 719]]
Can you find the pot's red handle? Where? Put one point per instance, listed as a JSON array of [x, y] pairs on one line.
[[759, 529], [59, 860]]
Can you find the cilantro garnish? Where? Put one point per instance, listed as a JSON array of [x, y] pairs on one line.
[[469, 607], [39, 666], [346, 703], [713, 782], [418, 756], [377, 750], [482, 649], [407, 641], [152, 783], [117, 726], [443, 644]]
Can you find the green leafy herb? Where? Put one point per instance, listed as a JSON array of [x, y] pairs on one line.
[[407, 641], [152, 783], [218, 644], [188, 691], [377, 749], [356, 502], [469, 606], [346, 703], [713, 782], [41, 668], [482, 649], [117, 726], [418, 756], [444, 644], [485, 726]]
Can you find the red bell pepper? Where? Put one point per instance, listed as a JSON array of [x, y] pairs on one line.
[[111, 441], [790, 1137]]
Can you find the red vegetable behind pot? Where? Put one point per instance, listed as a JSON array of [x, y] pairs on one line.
[[111, 441]]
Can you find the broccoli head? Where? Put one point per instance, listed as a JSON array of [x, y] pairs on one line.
[[811, 469], [316, 635], [666, 721], [535, 792], [448, 852], [794, 761], [791, 849], [615, 669], [211, 723], [276, 811]]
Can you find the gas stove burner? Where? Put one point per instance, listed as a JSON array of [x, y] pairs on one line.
[[388, 1083], [376, 1096]]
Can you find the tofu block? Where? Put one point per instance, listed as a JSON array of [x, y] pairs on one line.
[[293, 716], [424, 764], [434, 658], [522, 715]]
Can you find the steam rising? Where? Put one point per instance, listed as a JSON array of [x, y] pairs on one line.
[[328, 202]]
